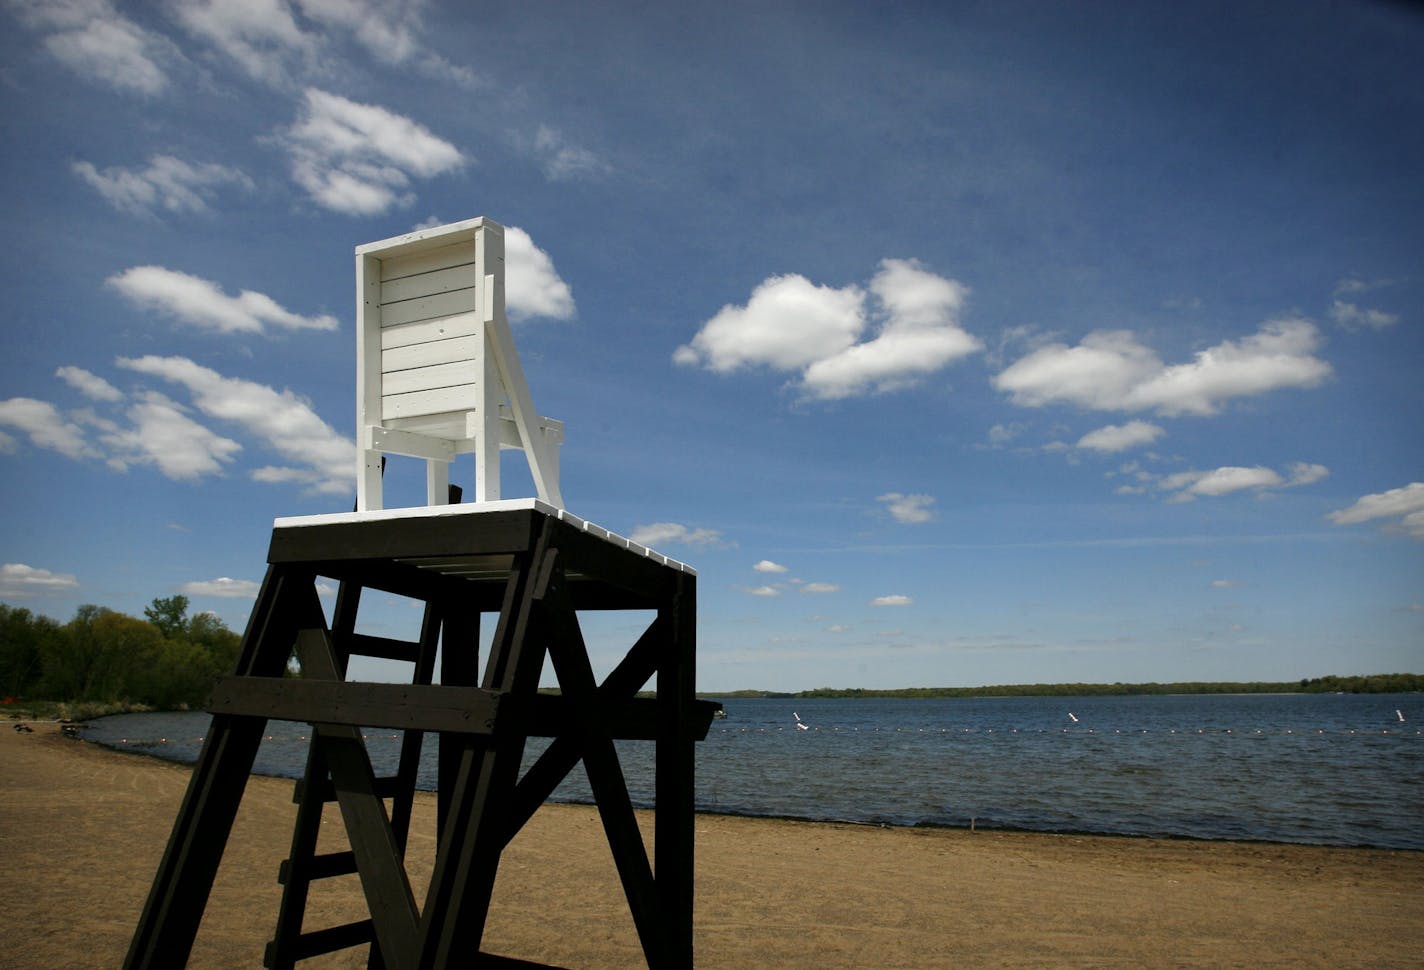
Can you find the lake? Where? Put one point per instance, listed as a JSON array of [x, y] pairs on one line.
[[1331, 769]]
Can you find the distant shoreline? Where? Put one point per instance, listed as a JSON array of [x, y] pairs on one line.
[[1363, 684]]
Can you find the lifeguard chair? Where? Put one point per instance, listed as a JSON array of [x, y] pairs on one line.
[[437, 377], [437, 374]]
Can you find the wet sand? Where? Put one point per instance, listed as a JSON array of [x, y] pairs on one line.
[[82, 830]]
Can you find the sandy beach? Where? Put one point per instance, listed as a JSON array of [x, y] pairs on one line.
[[82, 829]]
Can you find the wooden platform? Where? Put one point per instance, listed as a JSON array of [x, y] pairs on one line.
[[534, 566]]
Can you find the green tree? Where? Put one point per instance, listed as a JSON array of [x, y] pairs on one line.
[[99, 656], [24, 640], [169, 614]]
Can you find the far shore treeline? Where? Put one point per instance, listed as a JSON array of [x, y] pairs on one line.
[[1365, 684], [103, 660]]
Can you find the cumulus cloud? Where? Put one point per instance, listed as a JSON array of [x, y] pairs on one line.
[[666, 533], [319, 457], [909, 509], [19, 581], [1121, 437], [46, 427], [1188, 485], [202, 303], [895, 599], [818, 589], [94, 40], [222, 586], [919, 335], [533, 288], [791, 324], [767, 566], [1113, 371], [1404, 504], [767, 591], [163, 434], [359, 158], [166, 183], [89, 384]]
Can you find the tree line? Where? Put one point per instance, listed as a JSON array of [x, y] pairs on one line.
[[1361, 684], [168, 660]]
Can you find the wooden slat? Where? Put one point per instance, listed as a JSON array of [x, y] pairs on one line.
[[423, 331], [467, 710], [429, 353], [428, 308], [427, 284], [452, 374], [327, 866], [435, 258], [465, 397]]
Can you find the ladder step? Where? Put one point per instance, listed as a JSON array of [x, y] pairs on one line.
[[329, 940], [326, 866], [388, 787]]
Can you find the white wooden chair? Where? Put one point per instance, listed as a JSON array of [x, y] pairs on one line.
[[437, 374]]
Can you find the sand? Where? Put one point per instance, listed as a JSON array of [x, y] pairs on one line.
[[82, 829]]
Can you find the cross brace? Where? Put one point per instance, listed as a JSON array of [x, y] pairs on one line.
[[538, 571]]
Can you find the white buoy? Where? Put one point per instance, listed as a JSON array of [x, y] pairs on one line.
[[1072, 717]]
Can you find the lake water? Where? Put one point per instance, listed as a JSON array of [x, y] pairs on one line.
[[1332, 769]]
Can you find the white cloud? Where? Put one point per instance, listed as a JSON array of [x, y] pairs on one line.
[[920, 335], [562, 161], [1120, 437], [792, 324], [1305, 473], [46, 427], [162, 434], [909, 509], [359, 158], [664, 533], [818, 589], [767, 566], [1225, 584], [1405, 504], [320, 458], [1352, 316], [19, 581], [533, 288], [1112, 371], [202, 303], [88, 384], [168, 183], [767, 591], [260, 36], [387, 30], [788, 324], [895, 599], [222, 586], [1188, 485], [1219, 481], [94, 40]]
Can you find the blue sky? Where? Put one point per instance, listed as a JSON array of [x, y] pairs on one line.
[[953, 344]]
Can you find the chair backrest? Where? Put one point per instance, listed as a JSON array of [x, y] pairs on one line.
[[437, 372]]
